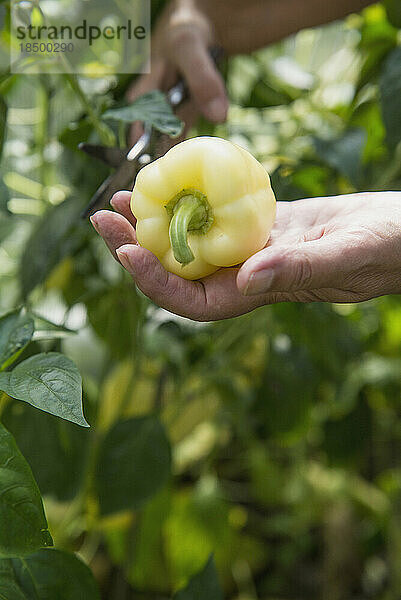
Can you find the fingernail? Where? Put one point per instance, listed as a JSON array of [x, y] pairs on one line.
[[215, 110], [112, 200], [125, 261], [94, 222], [259, 282]]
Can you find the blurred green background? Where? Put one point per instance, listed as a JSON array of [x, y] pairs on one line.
[[284, 424]]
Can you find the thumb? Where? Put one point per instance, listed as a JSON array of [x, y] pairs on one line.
[[205, 83], [304, 266]]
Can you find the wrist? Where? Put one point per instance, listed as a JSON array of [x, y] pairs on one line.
[[389, 247], [182, 18], [229, 22]]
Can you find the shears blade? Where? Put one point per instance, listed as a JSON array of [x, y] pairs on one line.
[[126, 163], [109, 155]]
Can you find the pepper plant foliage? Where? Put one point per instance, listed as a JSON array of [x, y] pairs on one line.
[[252, 458], [152, 109]]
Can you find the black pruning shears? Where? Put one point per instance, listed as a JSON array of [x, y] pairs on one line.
[[127, 162]]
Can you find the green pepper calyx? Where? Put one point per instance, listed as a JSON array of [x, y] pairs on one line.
[[189, 210]]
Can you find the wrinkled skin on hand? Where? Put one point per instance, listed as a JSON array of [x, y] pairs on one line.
[[336, 249]]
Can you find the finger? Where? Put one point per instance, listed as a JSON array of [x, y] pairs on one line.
[[180, 296], [205, 83], [188, 113], [114, 229], [121, 202], [134, 133], [223, 299], [322, 263], [149, 81]]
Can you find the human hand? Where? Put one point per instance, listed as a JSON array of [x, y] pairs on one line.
[[336, 249], [180, 47]]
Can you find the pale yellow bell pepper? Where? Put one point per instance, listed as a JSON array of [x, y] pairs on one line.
[[207, 203]]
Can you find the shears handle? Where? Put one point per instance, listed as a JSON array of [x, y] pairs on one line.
[[179, 93]]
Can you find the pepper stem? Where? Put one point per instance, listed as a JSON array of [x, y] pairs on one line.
[[188, 211]]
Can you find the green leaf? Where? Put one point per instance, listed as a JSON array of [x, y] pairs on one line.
[[152, 109], [202, 586], [344, 154], [368, 116], [147, 567], [7, 79], [58, 234], [289, 374], [390, 92], [346, 439], [113, 314], [45, 329], [134, 463], [197, 524], [284, 187], [7, 223], [393, 9], [23, 525], [9, 586], [49, 381], [312, 178], [264, 94], [75, 133], [16, 330], [376, 31], [48, 575], [55, 449], [148, 561], [372, 63], [378, 37]]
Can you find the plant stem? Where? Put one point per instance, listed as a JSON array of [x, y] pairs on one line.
[[42, 132], [188, 211], [178, 231], [104, 132], [4, 400]]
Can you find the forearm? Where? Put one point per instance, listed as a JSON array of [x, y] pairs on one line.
[[241, 27]]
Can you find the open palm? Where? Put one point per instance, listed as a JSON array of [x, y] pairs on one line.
[[336, 249]]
